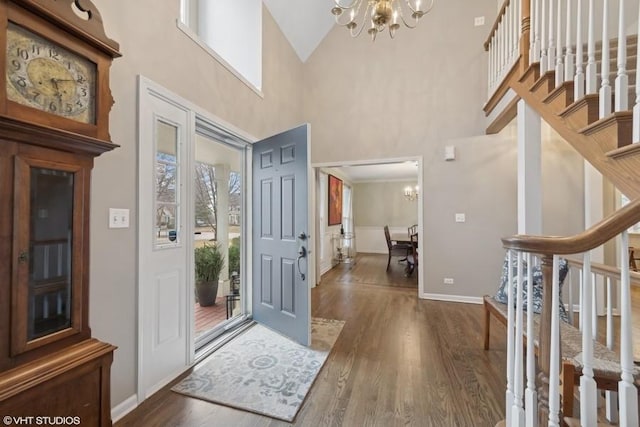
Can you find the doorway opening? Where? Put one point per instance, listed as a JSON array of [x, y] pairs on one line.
[[378, 196], [218, 194]]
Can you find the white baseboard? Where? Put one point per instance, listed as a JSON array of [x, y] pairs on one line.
[[452, 298], [122, 409]]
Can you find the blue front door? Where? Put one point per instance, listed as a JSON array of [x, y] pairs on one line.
[[281, 291]]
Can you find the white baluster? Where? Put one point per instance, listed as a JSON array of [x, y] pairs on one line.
[[570, 292], [636, 106], [559, 63], [532, 34], [605, 87], [588, 390], [578, 86], [530, 394], [581, 299], [510, 325], [536, 31], [591, 69], [554, 369], [594, 306], [517, 11], [544, 59], [622, 79], [552, 47], [501, 45], [611, 397], [627, 391], [491, 71], [569, 68], [517, 410]]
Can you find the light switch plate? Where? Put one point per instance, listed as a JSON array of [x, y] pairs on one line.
[[460, 217], [450, 152], [118, 218]]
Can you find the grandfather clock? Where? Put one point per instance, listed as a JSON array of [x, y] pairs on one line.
[[54, 119]]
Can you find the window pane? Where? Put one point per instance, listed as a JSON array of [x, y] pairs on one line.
[[51, 219], [166, 195]]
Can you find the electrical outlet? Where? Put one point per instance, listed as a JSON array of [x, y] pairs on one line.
[[478, 21], [448, 281]]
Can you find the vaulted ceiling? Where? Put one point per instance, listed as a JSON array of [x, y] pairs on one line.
[[304, 22]]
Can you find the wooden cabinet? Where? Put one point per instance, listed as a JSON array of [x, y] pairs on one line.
[[49, 365], [54, 109]]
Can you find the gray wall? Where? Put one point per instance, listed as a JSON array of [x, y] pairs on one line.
[[383, 203]]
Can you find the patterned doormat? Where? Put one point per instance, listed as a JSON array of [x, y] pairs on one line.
[[263, 372]]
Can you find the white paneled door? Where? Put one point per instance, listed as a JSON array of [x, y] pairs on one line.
[[163, 187]]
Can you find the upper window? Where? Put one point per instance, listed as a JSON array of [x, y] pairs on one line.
[[232, 29]]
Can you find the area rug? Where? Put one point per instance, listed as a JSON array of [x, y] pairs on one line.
[[263, 372]]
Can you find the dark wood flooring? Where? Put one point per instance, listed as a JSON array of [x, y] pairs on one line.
[[399, 361]]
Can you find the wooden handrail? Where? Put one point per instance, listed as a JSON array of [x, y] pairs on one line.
[[589, 239], [496, 23], [605, 270]]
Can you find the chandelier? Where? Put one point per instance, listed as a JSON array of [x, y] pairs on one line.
[[411, 193], [379, 14]]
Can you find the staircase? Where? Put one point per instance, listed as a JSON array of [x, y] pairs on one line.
[[606, 142], [550, 54]]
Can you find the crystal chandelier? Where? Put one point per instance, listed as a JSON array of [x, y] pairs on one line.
[[379, 14], [411, 193]]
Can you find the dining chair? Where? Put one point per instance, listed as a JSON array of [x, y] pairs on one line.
[[412, 230], [412, 257], [395, 249]]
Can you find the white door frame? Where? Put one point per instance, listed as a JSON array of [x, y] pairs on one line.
[[419, 159], [147, 88]]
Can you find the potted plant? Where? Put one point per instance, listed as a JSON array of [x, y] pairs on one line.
[[209, 262]]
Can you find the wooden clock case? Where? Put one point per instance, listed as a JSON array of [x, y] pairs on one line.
[[55, 370]]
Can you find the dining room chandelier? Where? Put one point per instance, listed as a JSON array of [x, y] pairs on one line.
[[378, 15], [411, 193]]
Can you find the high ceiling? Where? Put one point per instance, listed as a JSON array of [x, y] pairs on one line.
[[304, 22]]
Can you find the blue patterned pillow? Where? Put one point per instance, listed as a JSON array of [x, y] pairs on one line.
[[501, 294]]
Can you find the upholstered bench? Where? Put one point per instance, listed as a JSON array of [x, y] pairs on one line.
[[606, 365]]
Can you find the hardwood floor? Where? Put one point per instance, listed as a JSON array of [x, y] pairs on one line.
[[398, 361]]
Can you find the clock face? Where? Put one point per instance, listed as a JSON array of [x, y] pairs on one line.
[[45, 76]]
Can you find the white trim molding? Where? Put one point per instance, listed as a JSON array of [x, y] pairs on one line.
[[452, 298], [123, 408]]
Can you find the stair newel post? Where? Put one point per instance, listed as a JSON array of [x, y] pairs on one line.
[[569, 68], [552, 47], [559, 63], [554, 363], [578, 86], [517, 411], [544, 340], [588, 390], [622, 79], [591, 71], [636, 105], [627, 391], [544, 60], [530, 395], [536, 31], [509, 397], [605, 87]]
